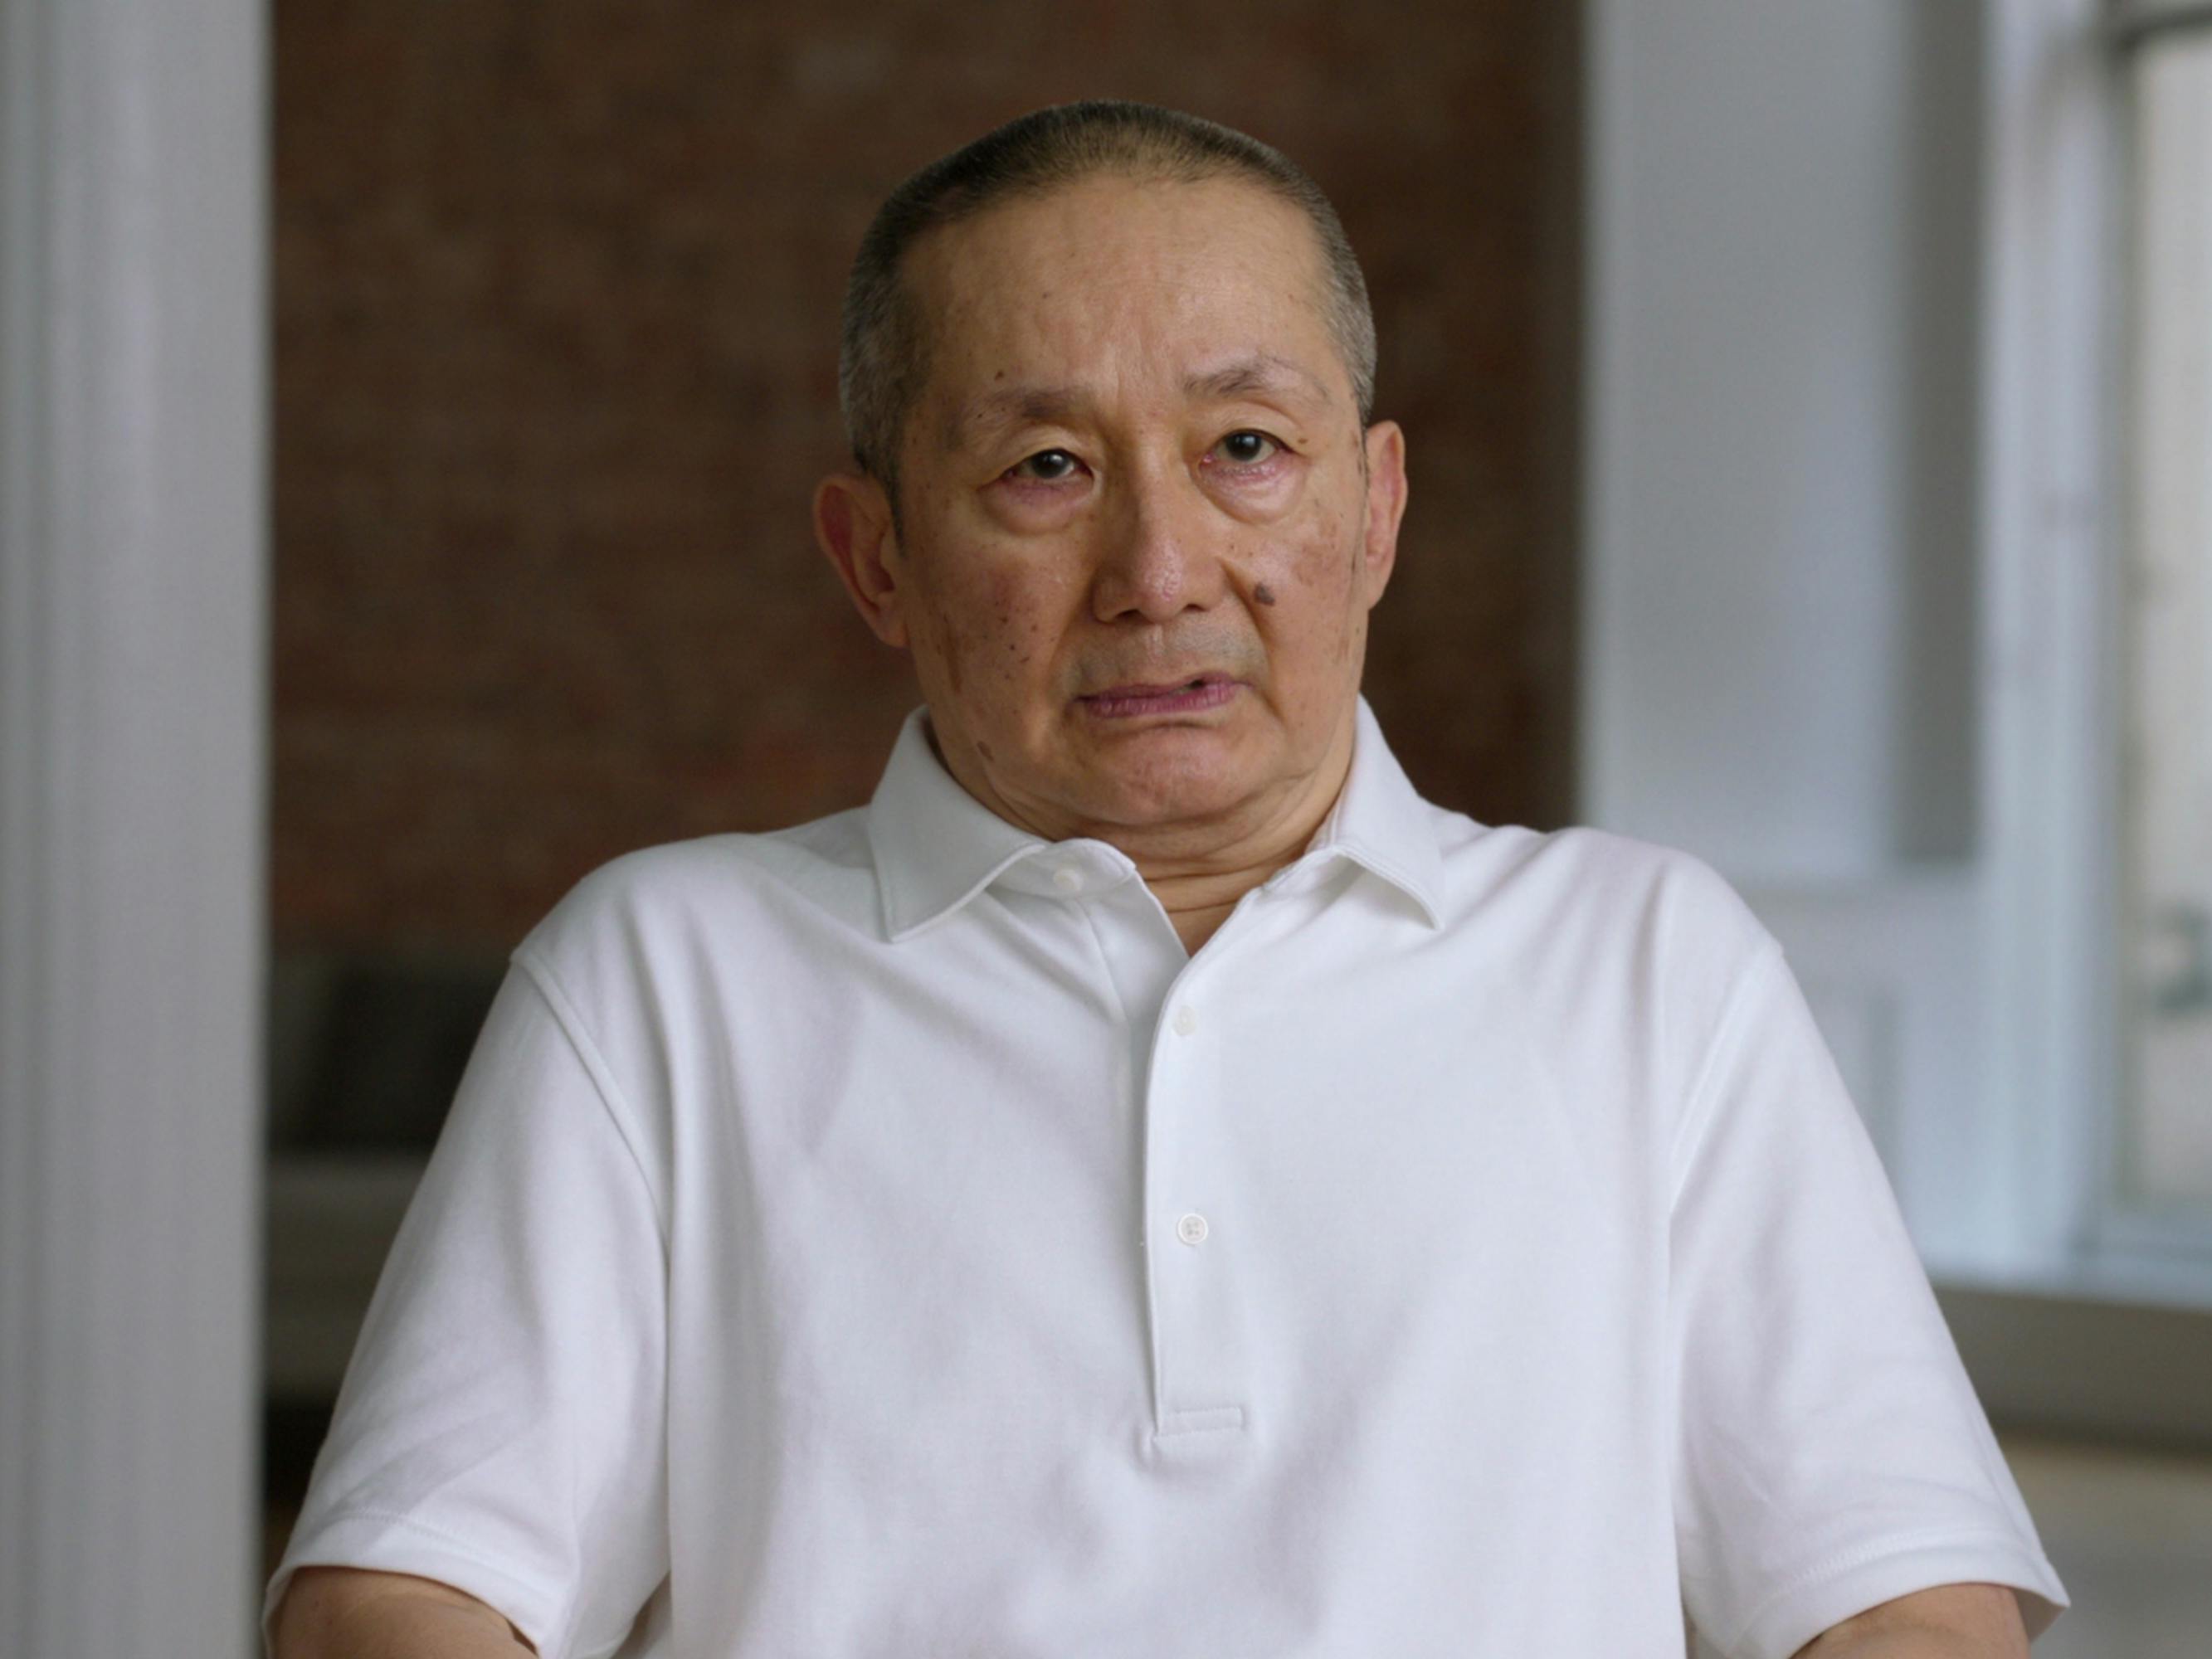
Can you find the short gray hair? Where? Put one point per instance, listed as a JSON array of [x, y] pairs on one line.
[[883, 363]]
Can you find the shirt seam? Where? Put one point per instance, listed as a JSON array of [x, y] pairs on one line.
[[1689, 1128], [1863, 1555], [612, 1101]]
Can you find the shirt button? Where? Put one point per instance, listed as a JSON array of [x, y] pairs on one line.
[[1191, 1228], [1067, 878], [1185, 1022]]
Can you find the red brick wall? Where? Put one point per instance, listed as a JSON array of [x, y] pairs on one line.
[[556, 290]]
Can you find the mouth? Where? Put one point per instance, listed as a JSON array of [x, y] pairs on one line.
[[1198, 693]]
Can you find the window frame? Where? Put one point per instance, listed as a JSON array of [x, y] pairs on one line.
[[2159, 1237]]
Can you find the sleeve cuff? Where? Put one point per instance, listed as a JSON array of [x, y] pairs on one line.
[[397, 1543], [1818, 1602]]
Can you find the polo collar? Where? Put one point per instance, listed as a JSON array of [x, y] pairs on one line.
[[936, 846]]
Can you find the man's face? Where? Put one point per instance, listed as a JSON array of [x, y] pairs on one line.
[[1137, 546]]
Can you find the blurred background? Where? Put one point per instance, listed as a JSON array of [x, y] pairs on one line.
[[408, 417]]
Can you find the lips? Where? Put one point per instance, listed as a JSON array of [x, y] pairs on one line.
[[1188, 696], [1159, 688]]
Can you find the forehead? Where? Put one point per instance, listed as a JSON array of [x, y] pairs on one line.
[[1122, 286]]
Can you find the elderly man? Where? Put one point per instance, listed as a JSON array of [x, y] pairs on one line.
[[1149, 1183]]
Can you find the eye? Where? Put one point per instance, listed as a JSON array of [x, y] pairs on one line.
[[1247, 448], [1045, 467]]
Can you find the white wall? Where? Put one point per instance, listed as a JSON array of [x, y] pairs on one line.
[[1779, 634]]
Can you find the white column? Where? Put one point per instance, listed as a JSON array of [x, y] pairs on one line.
[[132, 741]]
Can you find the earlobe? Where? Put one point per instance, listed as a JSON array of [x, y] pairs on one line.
[[853, 527]]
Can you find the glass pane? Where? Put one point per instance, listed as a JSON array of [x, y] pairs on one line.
[[2167, 1156]]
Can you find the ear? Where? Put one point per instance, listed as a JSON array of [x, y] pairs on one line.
[[1386, 503], [853, 525]]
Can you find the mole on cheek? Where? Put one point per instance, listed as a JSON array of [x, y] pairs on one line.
[[984, 749], [1264, 593]]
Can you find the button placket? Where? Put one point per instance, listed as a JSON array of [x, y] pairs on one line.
[[1198, 1326]]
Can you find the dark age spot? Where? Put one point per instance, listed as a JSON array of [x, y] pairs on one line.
[[1264, 593]]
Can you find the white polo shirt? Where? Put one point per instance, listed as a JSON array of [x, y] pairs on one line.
[[879, 1239]]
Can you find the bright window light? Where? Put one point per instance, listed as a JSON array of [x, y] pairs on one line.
[[2165, 1153]]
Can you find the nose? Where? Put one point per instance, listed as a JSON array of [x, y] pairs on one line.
[[1158, 554]]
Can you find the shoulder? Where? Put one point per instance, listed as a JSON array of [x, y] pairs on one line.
[[638, 948], [664, 896], [1593, 889], [1624, 951], [640, 959]]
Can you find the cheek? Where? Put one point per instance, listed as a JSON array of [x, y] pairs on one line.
[[1016, 626], [1320, 555], [1313, 571], [1307, 585], [995, 633]]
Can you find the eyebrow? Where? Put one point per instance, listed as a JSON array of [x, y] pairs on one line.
[[1263, 371], [1038, 405]]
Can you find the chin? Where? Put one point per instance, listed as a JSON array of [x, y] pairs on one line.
[[1170, 795]]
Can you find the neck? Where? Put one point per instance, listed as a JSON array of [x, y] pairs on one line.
[[1198, 889], [1199, 872], [1197, 912]]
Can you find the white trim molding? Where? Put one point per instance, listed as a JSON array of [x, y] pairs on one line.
[[2048, 648], [133, 157]]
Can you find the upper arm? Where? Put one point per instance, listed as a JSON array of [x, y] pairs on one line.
[[1831, 1453], [322, 1603], [500, 1427], [1979, 1621]]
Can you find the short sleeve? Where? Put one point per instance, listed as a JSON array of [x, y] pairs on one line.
[[1831, 1452], [500, 1426]]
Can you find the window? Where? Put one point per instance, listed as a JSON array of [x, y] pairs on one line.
[[1898, 576], [2164, 1161]]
